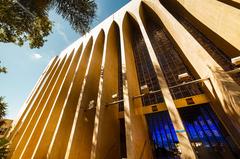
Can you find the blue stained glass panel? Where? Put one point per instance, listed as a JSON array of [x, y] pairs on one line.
[[164, 135], [200, 122]]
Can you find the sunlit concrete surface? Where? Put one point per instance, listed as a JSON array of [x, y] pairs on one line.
[[88, 102]]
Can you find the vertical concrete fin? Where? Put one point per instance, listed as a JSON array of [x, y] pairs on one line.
[[185, 145], [81, 139], [58, 147], [15, 137], [205, 67], [39, 116], [136, 141], [55, 112], [105, 143], [27, 104]]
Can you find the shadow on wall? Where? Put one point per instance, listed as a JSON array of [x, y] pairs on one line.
[[225, 46], [231, 3]]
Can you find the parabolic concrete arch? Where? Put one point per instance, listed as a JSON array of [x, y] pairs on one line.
[[148, 82]]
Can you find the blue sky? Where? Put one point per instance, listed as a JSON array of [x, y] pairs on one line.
[[25, 65]]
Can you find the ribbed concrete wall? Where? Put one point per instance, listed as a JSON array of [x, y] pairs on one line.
[[55, 121]]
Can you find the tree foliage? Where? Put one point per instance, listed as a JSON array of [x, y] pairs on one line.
[[18, 26], [3, 69], [31, 23], [79, 13], [3, 106], [4, 148]]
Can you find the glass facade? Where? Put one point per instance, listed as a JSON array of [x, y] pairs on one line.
[[162, 133], [123, 149], [120, 80], [145, 70], [169, 59], [206, 133], [218, 55], [222, 59]]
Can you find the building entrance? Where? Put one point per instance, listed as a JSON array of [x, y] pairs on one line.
[[207, 135]]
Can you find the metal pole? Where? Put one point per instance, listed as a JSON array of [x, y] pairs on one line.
[[237, 70], [116, 102], [179, 85], [187, 83]]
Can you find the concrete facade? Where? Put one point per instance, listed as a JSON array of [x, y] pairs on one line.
[[72, 113]]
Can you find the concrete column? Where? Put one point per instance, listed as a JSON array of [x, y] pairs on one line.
[[34, 93], [41, 143], [224, 103], [185, 145], [35, 106], [81, 137], [219, 23], [56, 122], [58, 146], [137, 139], [44, 107], [106, 136]]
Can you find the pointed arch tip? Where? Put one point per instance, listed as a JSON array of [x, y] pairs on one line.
[[147, 6], [129, 15], [88, 42], [113, 25], [102, 32]]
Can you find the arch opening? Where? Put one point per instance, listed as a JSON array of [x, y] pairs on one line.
[[206, 133], [196, 29]]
